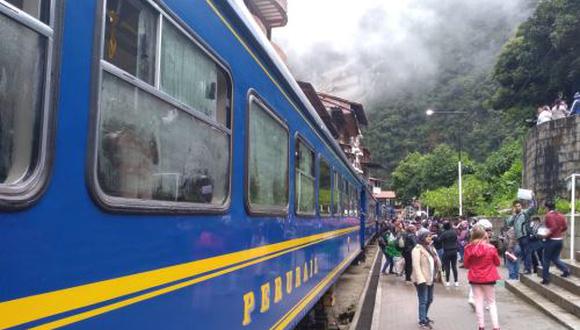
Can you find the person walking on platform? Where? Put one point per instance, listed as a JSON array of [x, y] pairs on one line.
[[426, 265], [556, 224], [482, 260], [448, 241], [410, 241], [520, 221]]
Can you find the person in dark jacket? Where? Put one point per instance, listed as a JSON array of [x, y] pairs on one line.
[[410, 242], [448, 241]]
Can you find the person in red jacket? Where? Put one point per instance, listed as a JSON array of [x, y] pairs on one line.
[[482, 261], [556, 224]]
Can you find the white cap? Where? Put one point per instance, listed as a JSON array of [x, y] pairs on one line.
[[486, 224]]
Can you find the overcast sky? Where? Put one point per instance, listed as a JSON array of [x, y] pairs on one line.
[[352, 47]]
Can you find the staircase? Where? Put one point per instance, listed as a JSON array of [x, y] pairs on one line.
[[559, 300]]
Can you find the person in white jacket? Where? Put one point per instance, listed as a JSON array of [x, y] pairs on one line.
[[544, 114]]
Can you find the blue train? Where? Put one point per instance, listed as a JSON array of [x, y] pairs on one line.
[[161, 169]]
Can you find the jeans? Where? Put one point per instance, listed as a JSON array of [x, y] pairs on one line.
[[389, 262], [425, 296], [525, 250], [536, 250], [514, 266], [450, 264], [461, 250], [552, 249], [481, 293]]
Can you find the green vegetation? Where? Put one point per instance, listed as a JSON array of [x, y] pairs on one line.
[[488, 188], [538, 64]]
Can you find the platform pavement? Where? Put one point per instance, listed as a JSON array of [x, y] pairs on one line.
[[396, 308]]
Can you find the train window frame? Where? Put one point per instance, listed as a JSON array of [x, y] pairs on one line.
[[253, 210], [101, 67], [299, 139], [25, 193], [321, 160]]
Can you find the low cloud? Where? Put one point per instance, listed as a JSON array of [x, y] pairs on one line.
[[370, 50]]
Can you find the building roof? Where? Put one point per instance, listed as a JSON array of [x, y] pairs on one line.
[[386, 195], [355, 107], [312, 96], [274, 13]]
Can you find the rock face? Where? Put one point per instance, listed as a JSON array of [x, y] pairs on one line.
[[551, 154]]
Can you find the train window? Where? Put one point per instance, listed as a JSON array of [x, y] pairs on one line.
[[267, 167], [25, 68], [344, 197], [164, 138], [38, 9], [324, 189], [304, 179], [192, 77], [336, 194], [130, 37], [355, 201], [150, 150]]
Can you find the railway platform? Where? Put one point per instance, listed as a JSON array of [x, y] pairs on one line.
[[396, 308]]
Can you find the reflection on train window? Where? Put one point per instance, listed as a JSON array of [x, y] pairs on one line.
[[354, 199], [344, 196], [267, 161], [22, 73], [130, 37], [149, 150], [191, 77], [324, 195], [336, 194], [36, 8], [304, 180]]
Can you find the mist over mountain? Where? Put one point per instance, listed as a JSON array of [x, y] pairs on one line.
[[400, 58], [393, 47]]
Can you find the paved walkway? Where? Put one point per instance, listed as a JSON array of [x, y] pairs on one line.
[[396, 308]]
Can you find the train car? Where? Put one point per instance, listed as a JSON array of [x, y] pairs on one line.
[[161, 169], [369, 221]]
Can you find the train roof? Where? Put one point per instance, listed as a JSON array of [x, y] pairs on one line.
[[243, 13]]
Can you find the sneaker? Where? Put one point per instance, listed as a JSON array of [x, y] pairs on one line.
[[447, 284], [544, 282], [430, 321], [456, 284], [425, 325], [566, 274]]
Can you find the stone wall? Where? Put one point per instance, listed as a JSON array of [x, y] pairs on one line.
[[552, 153]]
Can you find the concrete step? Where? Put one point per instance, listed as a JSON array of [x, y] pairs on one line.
[[552, 310], [570, 283], [560, 296], [573, 265]]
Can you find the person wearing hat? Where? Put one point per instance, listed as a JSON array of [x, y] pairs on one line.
[[426, 265]]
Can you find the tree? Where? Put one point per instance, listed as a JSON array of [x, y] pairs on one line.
[[542, 61]]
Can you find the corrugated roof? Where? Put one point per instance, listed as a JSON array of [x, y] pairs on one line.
[[386, 195]]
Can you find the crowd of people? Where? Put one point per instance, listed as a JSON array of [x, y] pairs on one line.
[[427, 251], [558, 110]]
